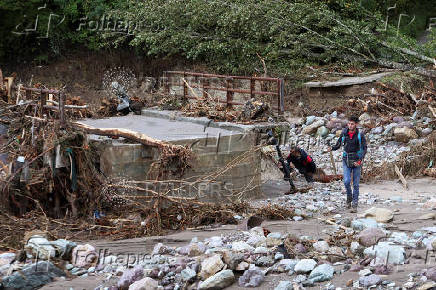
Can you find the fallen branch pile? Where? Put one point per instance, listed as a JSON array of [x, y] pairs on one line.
[[388, 101], [415, 162]]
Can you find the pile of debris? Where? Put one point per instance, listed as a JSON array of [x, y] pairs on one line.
[[254, 110]]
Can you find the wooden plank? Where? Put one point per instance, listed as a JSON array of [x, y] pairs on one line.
[[400, 175]]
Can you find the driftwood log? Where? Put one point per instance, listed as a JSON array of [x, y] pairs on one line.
[[125, 133]]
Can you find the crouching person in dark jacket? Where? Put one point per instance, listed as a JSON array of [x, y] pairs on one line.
[[354, 144], [303, 162]]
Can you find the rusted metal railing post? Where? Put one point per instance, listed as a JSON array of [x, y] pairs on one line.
[[229, 93], [185, 87], [204, 83], [280, 96], [252, 85], [167, 83]]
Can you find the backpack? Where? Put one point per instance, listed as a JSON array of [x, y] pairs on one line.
[[350, 158]]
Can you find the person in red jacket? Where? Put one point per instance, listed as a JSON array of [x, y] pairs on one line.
[[303, 162]]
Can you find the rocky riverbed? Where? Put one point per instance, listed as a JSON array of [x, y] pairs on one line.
[[388, 244], [386, 138]]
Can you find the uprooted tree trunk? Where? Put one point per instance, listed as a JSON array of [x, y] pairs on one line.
[[125, 133]]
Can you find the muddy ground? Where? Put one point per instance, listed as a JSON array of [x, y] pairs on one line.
[[406, 214]]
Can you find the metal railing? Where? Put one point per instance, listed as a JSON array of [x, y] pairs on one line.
[[206, 85]]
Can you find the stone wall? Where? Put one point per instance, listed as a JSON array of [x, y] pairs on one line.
[[212, 154]]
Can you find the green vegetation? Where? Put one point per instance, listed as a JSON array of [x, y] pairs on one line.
[[229, 36]]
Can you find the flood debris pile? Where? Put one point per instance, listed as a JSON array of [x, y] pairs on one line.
[[50, 179], [253, 110]]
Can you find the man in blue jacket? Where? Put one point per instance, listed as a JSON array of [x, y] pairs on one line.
[[354, 144]]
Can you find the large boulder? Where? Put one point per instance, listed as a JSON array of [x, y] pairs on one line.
[[41, 247], [241, 247], [321, 246], [404, 134], [188, 274], [264, 261], [370, 236], [321, 273], [305, 266], [196, 249], [63, 248], [220, 280], [285, 265], [161, 249], [361, 224], [312, 128], [256, 241], [232, 259], [371, 280], [274, 239], [211, 266], [386, 252], [251, 278], [214, 242], [377, 130], [84, 256], [284, 285], [6, 258], [398, 119], [130, 276], [322, 131], [401, 238], [32, 276], [365, 119], [426, 131], [145, 284], [381, 215]]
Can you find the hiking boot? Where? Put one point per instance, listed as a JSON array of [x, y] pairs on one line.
[[349, 202], [353, 209]]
